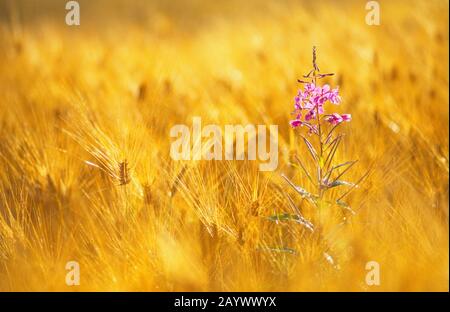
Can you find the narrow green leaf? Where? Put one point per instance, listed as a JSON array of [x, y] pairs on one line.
[[345, 206], [339, 183], [300, 190], [304, 169], [311, 149], [280, 250], [283, 217], [291, 217]]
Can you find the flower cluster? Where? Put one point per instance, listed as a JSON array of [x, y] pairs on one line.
[[310, 102]]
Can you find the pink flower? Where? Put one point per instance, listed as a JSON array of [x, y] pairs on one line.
[[313, 99], [325, 89], [346, 117], [334, 96], [309, 87], [298, 103], [310, 115], [296, 123], [335, 118]]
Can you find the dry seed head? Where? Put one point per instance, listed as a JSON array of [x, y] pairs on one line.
[[314, 59], [124, 175]]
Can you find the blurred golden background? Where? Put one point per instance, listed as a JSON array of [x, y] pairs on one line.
[[79, 102]]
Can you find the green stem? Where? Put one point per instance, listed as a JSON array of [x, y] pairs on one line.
[[319, 130]]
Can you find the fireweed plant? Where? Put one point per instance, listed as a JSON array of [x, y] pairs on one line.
[[322, 139]]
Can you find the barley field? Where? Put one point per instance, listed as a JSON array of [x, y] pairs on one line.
[[86, 173]]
